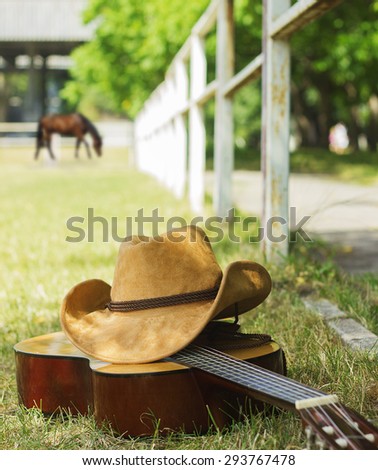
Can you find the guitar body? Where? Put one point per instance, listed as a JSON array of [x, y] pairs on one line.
[[136, 399]]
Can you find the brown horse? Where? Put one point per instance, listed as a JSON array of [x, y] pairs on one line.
[[75, 125]]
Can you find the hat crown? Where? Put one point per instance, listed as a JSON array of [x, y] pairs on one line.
[[177, 262]]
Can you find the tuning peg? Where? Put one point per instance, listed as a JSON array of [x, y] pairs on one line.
[[370, 437], [328, 430], [341, 442]]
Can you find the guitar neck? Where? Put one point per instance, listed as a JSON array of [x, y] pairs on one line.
[[329, 422], [256, 381]]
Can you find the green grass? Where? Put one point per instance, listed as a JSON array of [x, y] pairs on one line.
[[355, 167], [317, 275], [38, 267]]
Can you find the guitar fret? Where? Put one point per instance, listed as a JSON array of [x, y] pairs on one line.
[[253, 377]]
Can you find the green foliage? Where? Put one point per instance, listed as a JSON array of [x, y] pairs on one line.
[[134, 43], [248, 27], [334, 64], [346, 40]]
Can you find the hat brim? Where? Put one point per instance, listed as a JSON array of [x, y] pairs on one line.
[[149, 335]]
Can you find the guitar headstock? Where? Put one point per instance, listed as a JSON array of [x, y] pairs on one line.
[[328, 424]]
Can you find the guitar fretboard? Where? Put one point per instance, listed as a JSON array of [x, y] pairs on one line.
[[252, 377]]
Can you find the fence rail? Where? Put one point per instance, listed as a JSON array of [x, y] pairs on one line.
[[173, 150], [17, 127]]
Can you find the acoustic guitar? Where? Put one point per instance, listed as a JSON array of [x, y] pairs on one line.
[[195, 389]]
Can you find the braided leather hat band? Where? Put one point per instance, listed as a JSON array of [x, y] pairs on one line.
[[167, 301]]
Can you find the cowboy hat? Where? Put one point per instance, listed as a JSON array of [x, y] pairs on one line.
[[165, 291]]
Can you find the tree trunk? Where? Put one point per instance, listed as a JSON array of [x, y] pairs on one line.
[[305, 118], [324, 117], [372, 128], [354, 129]]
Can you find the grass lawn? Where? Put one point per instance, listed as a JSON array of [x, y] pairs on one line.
[[355, 167], [38, 267]]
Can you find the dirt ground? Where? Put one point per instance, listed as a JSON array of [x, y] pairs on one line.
[[342, 214]]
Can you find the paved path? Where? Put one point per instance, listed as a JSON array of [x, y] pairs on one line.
[[341, 213]]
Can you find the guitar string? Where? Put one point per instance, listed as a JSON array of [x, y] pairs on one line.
[[272, 376], [281, 382], [343, 414], [328, 420], [338, 410], [348, 418], [307, 414], [265, 379]]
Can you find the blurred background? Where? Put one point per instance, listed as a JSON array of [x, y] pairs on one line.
[[104, 58]]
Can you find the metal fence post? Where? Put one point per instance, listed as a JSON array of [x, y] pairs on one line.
[[224, 126], [275, 134]]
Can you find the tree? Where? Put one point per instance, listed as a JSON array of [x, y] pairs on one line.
[[334, 62], [133, 45], [335, 65]]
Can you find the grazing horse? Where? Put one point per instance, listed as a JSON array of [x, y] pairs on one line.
[[75, 125]]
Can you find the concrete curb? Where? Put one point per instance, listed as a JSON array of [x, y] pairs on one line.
[[351, 333]]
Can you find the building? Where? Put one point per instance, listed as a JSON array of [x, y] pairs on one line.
[[36, 38]]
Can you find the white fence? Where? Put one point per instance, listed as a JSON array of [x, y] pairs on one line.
[[175, 153]]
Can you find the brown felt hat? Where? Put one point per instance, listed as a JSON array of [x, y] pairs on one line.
[[165, 291]]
